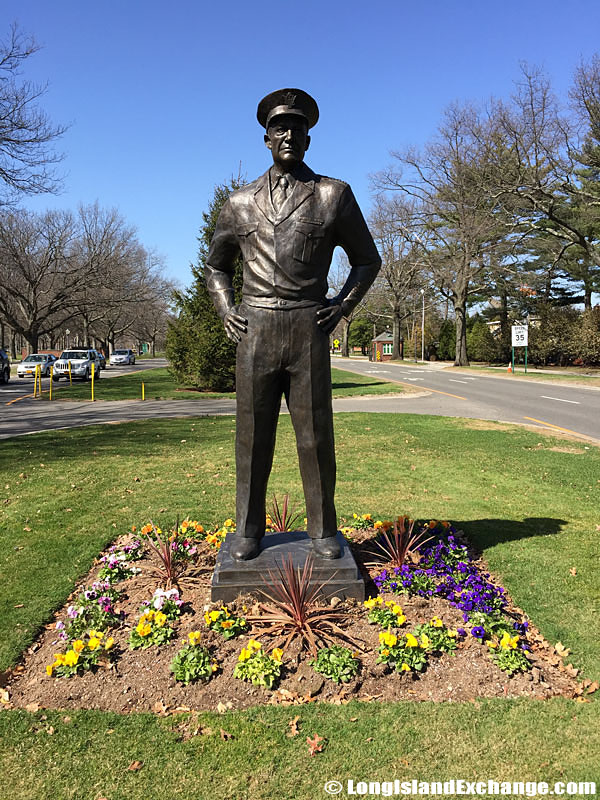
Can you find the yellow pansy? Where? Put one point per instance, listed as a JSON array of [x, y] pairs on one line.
[[143, 629], [370, 603], [97, 634], [94, 643], [378, 524], [387, 638], [254, 645], [245, 654], [509, 643], [228, 523], [59, 660], [109, 643], [227, 623], [400, 619], [411, 641], [385, 652], [160, 619], [396, 609], [214, 666], [71, 658], [493, 645], [49, 669], [453, 634], [194, 637], [78, 645], [277, 654], [436, 622], [389, 603], [424, 640], [405, 668], [367, 516]]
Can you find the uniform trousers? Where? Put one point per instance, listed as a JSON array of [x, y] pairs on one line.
[[284, 353]]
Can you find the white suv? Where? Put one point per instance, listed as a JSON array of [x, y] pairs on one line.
[[122, 357], [83, 363]]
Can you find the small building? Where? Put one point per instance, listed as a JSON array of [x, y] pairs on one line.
[[381, 347]]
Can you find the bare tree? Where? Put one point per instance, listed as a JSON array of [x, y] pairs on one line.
[[38, 273], [460, 228], [547, 171], [26, 134], [402, 275]]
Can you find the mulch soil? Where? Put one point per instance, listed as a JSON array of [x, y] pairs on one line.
[[140, 680]]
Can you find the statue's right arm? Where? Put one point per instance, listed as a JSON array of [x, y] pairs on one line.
[[218, 270]]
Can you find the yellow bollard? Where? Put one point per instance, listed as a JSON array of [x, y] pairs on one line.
[[93, 374], [37, 377], [51, 374], [70, 378], [143, 391]]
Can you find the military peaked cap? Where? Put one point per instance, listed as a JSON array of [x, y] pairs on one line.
[[287, 101]]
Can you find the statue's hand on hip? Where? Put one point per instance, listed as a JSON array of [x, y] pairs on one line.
[[328, 318], [235, 325]]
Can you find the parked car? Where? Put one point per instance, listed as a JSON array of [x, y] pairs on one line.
[[4, 366], [122, 357], [26, 369], [83, 363]]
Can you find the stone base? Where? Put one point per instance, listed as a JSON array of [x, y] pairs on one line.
[[232, 577]]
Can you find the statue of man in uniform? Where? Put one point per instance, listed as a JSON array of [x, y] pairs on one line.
[[286, 225]]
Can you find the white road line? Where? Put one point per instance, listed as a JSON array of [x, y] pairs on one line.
[[560, 399], [453, 380], [416, 379]]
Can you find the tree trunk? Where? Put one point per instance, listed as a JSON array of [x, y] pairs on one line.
[[345, 333], [460, 310], [153, 343], [396, 322], [32, 341]]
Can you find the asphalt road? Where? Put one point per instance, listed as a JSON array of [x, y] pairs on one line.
[[440, 392], [22, 387], [504, 398]]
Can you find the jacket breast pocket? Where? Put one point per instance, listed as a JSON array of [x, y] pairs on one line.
[[308, 236], [248, 235]]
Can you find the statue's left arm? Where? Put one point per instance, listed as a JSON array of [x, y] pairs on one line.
[[354, 237]]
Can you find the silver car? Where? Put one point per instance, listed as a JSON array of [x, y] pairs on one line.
[[122, 357], [83, 363], [27, 367]]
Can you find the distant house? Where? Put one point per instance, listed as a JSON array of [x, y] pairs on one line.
[[381, 347]]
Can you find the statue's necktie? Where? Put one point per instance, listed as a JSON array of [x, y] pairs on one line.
[[280, 192]]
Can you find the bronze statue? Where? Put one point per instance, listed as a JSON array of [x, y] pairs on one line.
[[287, 224]]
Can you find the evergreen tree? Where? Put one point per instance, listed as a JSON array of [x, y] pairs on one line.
[[199, 352], [481, 344], [447, 345]]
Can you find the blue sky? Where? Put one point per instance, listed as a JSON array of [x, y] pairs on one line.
[[161, 97]]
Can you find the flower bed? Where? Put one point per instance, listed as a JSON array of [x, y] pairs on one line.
[[438, 627]]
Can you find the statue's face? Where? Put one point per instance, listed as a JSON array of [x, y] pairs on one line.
[[287, 138]]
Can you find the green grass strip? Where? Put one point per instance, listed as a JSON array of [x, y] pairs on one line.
[[159, 384], [87, 754]]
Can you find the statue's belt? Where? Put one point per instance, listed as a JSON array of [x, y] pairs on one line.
[[281, 302]]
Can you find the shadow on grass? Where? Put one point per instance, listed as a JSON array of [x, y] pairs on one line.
[[485, 533], [356, 384]]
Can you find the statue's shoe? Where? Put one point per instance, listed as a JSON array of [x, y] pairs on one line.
[[327, 548], [244, 548]]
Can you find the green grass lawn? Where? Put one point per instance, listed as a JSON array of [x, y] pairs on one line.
[[160, 385], [529, 502]]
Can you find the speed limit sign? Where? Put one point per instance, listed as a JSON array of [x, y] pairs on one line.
[[519, 335]]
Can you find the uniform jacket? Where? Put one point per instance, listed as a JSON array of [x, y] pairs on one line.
[[287, 255]]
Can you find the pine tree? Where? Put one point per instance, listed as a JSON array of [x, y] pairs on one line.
[[199, 352]]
